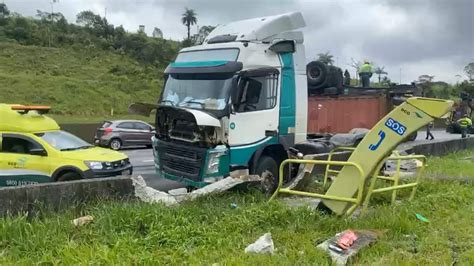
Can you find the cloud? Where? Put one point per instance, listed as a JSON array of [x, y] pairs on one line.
[[421, 37]]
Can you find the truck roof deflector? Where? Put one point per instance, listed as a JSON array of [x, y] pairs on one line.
[[260, 29]]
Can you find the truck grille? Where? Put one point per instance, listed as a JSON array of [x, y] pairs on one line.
[[183, 161]]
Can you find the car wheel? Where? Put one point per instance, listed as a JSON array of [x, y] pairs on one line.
[[69, 176], [115, 144]]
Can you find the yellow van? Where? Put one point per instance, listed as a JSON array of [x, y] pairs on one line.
[[33, 149]]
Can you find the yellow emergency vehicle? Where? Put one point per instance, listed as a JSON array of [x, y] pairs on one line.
[[33, 149]]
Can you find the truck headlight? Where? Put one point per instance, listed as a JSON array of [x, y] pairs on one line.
[[214, 162], [94, 165]]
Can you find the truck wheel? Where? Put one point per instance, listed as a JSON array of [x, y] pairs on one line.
[[69, 176], [115, 144], [316, 72], [268, 169]]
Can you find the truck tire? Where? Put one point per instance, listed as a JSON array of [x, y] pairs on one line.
[[316, 73], [267, 167]]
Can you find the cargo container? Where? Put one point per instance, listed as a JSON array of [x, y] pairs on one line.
[[343, 113]]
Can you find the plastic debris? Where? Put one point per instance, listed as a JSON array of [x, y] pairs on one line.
[[346, 244], [82, 220], [233, 205], [176, 196], [422, 218], [222, 185], [263, 245]]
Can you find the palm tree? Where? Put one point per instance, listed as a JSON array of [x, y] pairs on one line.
[[326, 58], [4, 10], [380, 71], [188, 19]]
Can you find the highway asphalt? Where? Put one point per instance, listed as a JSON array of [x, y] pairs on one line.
[[142, 160]]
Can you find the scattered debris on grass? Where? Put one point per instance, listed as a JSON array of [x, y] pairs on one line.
[[264, 244], [345, 245], [82, 220], [298, 202], [176, 196], [421, 218]]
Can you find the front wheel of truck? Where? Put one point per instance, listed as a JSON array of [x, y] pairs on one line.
[[267, 168]]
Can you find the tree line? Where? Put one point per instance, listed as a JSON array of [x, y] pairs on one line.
[[91, 31]]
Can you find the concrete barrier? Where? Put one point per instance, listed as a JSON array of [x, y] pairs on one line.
[[85, 131], [57, 196]]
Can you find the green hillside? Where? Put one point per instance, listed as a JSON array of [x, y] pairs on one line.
[[75, 81]]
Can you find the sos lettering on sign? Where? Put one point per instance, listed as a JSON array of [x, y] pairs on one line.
[[396, 126]]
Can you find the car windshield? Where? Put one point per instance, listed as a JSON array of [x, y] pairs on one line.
[[63, 141], [208, 94]]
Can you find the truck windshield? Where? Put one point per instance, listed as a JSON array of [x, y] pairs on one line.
[[63, 141], [207, 94]]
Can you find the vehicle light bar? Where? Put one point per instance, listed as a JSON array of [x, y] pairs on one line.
[[24, 109]]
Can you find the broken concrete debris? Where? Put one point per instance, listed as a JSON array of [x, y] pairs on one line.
[[346, 244], [176, 196], [264, 244], [151, 195]]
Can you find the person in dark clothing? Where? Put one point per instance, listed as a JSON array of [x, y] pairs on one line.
[[428, 131], [347, 78]]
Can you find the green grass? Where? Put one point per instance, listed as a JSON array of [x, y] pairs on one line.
[[209, 231], [456, 165], [75, 81]]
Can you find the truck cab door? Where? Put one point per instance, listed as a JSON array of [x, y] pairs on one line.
[[23, 161], [256, 115]]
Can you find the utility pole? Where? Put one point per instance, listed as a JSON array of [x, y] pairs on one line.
[[105, 13], [400, 76]]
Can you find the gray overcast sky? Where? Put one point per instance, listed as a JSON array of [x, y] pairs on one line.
[[433, 37]]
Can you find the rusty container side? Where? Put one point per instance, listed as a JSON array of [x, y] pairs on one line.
[[341, 114]]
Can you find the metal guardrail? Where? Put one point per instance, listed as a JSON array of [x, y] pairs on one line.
[[356, 201]]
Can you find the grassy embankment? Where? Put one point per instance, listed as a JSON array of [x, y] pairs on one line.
[[209, 231], [82, 85]]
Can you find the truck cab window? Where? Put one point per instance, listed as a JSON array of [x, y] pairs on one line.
[[258, 93], [18, 145]]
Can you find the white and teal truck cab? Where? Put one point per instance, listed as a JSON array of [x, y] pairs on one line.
[[235, 104]]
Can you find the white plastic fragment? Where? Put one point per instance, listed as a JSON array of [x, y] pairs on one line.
[[263, 245], [149, 194], [82, 220], [221, 185]]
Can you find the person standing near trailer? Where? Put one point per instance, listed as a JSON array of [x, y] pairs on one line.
[[465, 123], [365, 73]]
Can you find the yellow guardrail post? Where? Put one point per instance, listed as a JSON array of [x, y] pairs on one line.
[[396, 186], [355, 201], [331, 153]]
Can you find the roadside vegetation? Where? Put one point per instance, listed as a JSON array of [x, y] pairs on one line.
[[210, 231], [91, 69]]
